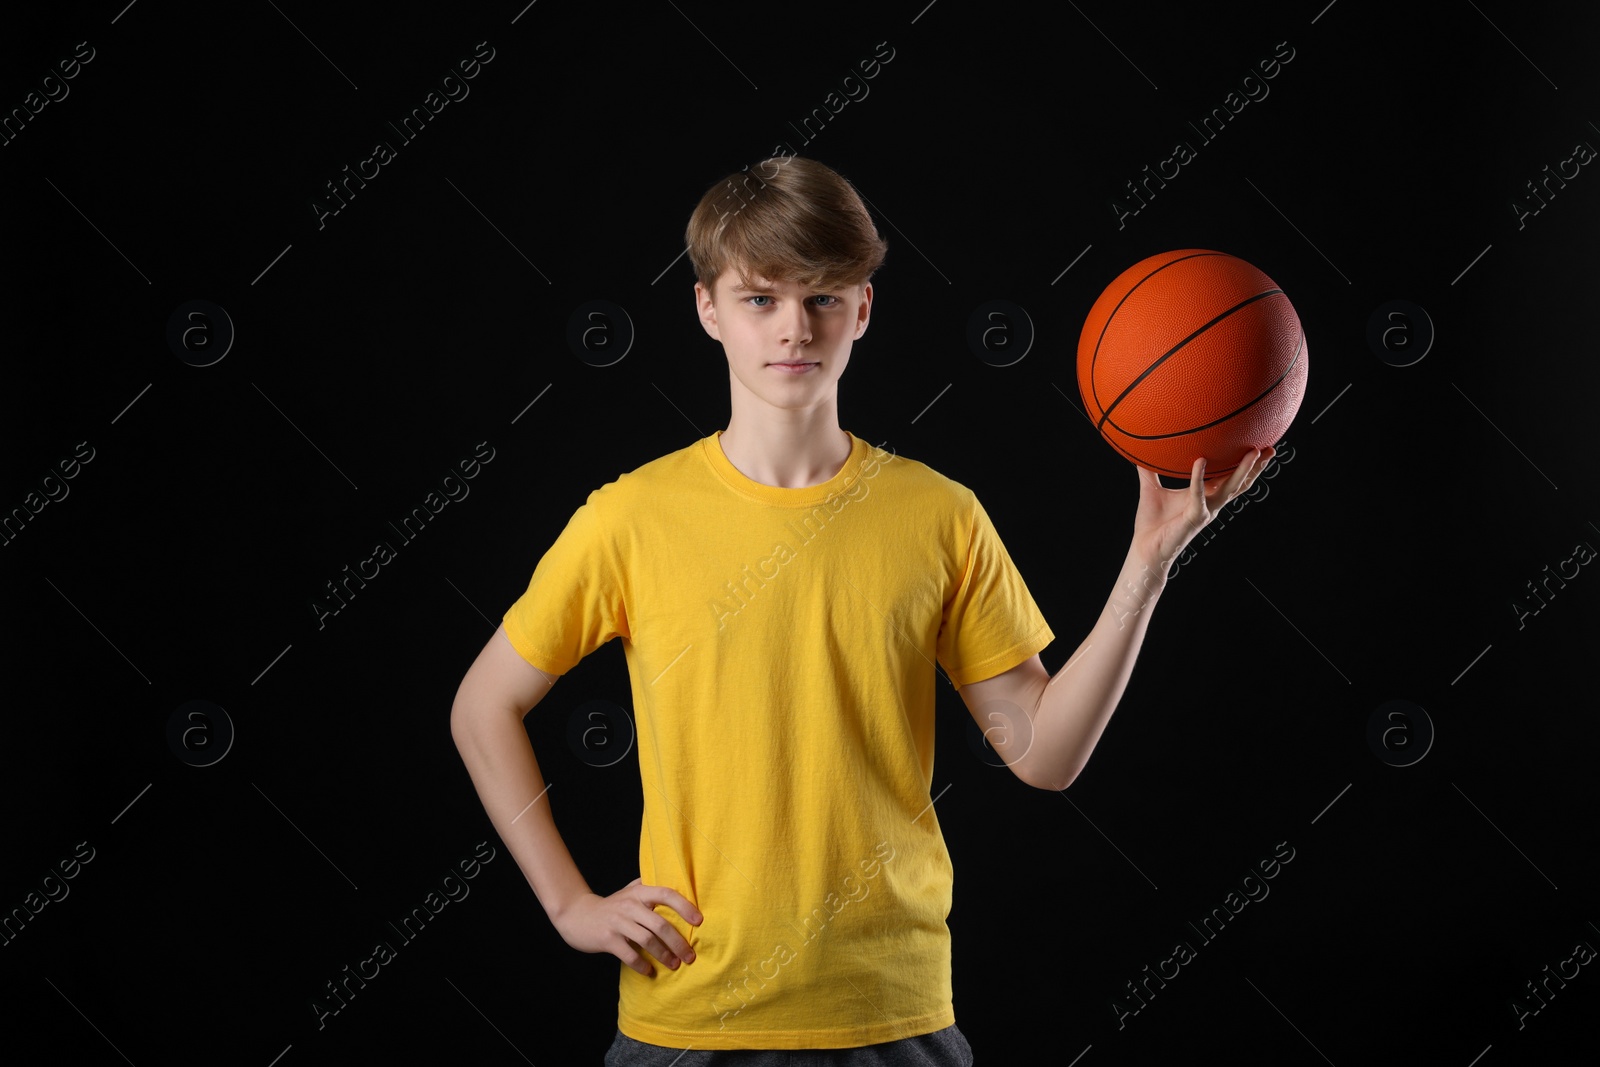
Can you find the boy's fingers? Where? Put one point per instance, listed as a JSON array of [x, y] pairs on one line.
[[1243, 473], [677, 902], [679, 948], [638, 962], [644, 940], [666, 935], [685, 907], [673, 941], [661, 939], [668, 958]]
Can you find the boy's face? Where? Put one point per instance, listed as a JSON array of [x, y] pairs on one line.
[[764, 324]]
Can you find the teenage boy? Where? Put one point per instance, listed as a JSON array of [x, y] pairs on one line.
[[789, 597]]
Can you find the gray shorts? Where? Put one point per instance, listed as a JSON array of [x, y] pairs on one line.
[[942, 1048]]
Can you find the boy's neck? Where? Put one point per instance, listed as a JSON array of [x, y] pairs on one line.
[[793, 451]]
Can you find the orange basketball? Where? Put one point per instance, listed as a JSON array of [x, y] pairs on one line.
[[1191, 353]]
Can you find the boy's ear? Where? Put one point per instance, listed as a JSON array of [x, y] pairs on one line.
[[706, 310], [864, 312]]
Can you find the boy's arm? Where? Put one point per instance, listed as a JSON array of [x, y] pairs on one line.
[[1044, 728], [486, 722]]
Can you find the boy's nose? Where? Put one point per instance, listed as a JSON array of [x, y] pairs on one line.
[[797, 327]]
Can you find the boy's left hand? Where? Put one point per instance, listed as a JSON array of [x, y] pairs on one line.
[[1168, 519]]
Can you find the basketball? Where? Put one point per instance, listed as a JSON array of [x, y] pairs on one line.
[[1191, 353]]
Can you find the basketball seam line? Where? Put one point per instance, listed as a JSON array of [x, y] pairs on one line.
[[1098, 341], [1237, 411], [1169, 354]]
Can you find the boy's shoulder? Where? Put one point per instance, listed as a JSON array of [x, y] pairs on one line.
[[671, 468]]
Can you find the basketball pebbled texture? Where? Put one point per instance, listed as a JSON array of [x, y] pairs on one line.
[[1189, 353]]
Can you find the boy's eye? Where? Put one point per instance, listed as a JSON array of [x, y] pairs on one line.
[[822, 300]]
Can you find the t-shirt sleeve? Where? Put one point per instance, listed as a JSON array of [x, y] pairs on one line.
[[991, 622], [574, 602]]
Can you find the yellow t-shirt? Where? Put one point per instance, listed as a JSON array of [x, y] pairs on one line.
[[782, 645]]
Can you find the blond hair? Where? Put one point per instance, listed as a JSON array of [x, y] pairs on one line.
[[785, 219]]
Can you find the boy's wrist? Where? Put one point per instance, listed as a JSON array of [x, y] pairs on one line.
[[561, 903]]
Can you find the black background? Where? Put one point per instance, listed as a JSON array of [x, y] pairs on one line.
[[375, 351]]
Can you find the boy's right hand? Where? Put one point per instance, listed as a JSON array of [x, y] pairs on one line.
[[625, 925]]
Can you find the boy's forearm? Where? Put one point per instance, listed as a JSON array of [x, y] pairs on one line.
[[500, 759], [1075, 706]]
